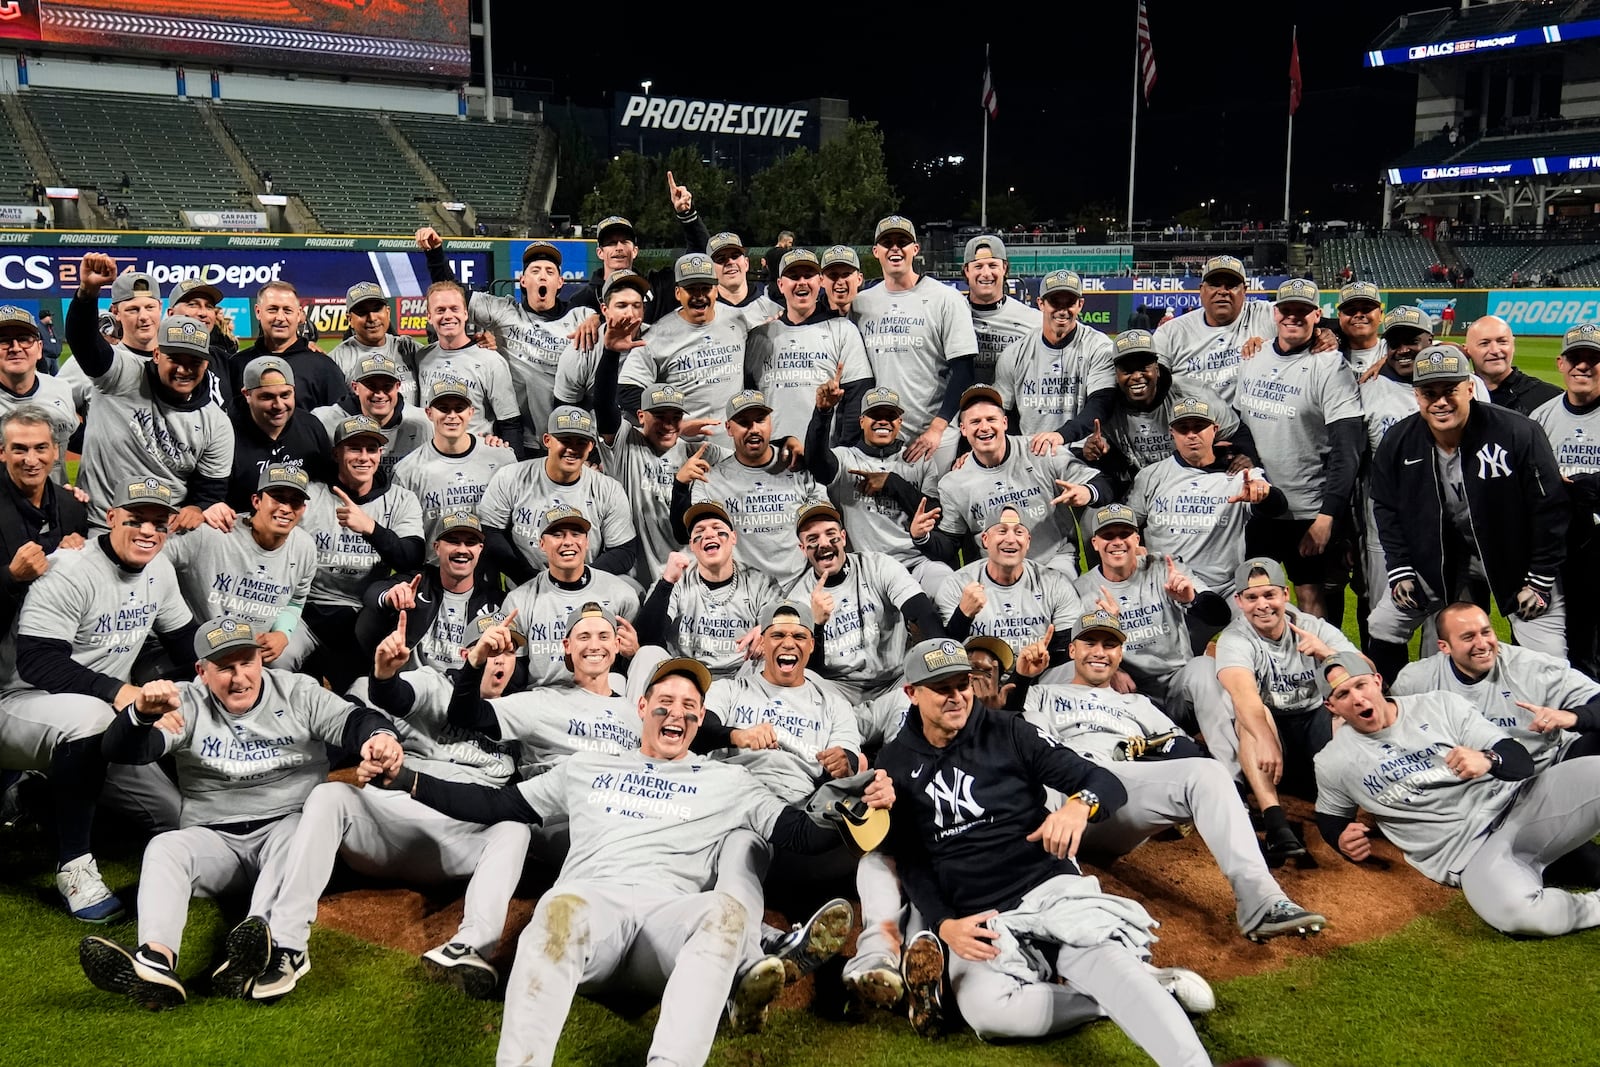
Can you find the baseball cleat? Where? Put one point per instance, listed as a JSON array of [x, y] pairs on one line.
[[753, 995], [1282, 844], [286, 968], [1192, 992], [85, 893], [922, 975], [816, 941], [463, 967], [143, 976], [878, 985], [1287, 917], [246, 954]]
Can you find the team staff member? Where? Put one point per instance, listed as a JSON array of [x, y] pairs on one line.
[[531, 333], [78, 636], [149, 419], [1492, 347], [202, 300], [370, 315], [1442, 783], [280, 315], [986, 866], [1469, 502], [641, 877], [998, 319], [37, 516], [919, 338], [1206, 346], [1305, 417], [250, 744], [616, 244], [269, 430], [1057, 378]]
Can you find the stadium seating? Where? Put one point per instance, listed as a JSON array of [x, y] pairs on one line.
[[162, 144], [340, 163], [1537, 144], [1391, 259], [16, 176], [487, 165]]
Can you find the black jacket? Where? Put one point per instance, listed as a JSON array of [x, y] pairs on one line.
[[318, 381], [60, 513], [377, 619], [1514, 496], [1523, 393], [963, 813], [660, 300], [304, 443]]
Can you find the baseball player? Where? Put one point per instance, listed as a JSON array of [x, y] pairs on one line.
[[135, 316], [579, 377], [531, 333], [269, 430], [249, 744], [888, 501], [376, 384], [791, 356], [616, 244], [261, 571], [988, 867], [547, 603], [452, 471], [78, 636], [919, 338], [645, 460], [1007, 595], [732, 260], [1001, 471], [364, 527], [762, 497], [841, 273], [1271, 726], [150, 419], [1360, 324], [1458, 796], [22, 384], [1057, 378], [1193, 505], [518, 495], [455, 357], [645, 827], [1167, 777], [388, 835], [370, 316], [443, 598], [199, 299], [998, 319], [1159, 606], [1206, 346], [706, 605], [699, 350], [1305, 416]]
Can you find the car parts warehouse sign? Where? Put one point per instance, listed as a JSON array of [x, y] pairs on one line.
[[711, 117]]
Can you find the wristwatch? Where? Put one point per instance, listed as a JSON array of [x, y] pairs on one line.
[[1089, 798], [1494, 758]]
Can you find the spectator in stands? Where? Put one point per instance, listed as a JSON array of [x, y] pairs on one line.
[[266, 179], [1492, 349], [101, 199], [120, 213], [50, 359], [616, 244], [126, 183], [317, 380]]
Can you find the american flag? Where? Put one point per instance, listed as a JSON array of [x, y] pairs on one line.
[[991, 101], [1147, 54]]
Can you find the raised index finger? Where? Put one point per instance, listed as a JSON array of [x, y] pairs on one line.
[[672, 186], [400, 627]]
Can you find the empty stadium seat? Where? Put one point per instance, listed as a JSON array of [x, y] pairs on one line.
[[487, 165]]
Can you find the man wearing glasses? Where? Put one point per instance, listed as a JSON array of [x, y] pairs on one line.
[[79, 634], [21, 383], [1206, 346], [920, 341], [1305, 415]]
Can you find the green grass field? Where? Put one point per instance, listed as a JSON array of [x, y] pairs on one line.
[[1445, 990]]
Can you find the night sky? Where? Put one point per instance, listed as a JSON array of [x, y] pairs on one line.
[[1215, 126]]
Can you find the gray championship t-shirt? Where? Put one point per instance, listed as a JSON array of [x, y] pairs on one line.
[[911, 336], [531, 347], [544, 612], [1288, 402], [1187, 515], [706, 622], [401, 437], [485, 375], [1018, 613], [763, 505], [553, 722], [349, 353], [519, 494], [346, 561], [1092, 720], [878, 523], [1210, 354], [449, 483], [791, 361], [1144, 438], [231, 574], [968, 496], [864, 639], [646, 479], [705, 362], [807, 718], [996, 328], [1574, 436], [435, 747], [1285, 676], [1048, 384], [1158, 634]]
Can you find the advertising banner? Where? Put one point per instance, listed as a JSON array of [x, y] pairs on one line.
[[225, 220], [576, 257], [26, 214], [635, 112], [1544, 311]]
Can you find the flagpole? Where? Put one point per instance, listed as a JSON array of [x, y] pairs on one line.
[[1133, 143], [983, 194], [1288, 152]]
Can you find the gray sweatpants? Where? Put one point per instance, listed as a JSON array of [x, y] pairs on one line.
[[1547, 634], [586, 936], [199, 861], [385, 833], [1555, 812], [1186, 689], [1103, 981]]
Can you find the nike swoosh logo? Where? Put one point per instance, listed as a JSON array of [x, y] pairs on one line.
[[422, 598], [918, 772], [1412, 462]]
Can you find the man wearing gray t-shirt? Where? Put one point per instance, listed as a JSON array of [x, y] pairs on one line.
[[1057, 378], [699, 350], [450, 472], [998, 319]]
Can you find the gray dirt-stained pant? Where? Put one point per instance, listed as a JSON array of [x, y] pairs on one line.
[[1190, 687], [1164, 793], [388, 834], [200, 861], [588, 936], [1102, 981], [1555, 812]]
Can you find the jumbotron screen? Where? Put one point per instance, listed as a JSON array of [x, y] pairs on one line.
[[426, 38]]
